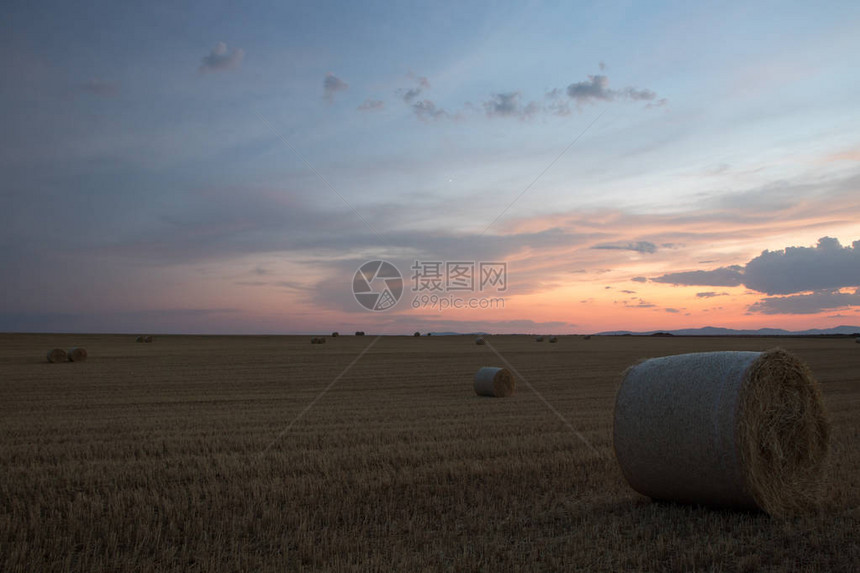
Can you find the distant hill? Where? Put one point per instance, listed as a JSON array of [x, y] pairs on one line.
[[718, 331]]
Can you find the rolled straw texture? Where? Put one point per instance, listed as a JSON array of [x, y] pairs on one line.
[[77, 354], [495, 382], [737, 429], [57, 355]]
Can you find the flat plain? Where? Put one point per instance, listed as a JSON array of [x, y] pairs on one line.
[[210, 453]]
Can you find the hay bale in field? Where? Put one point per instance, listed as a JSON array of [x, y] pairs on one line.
[[417, 334], [587, 337], [359, 333], [77, 354], [738, 429], [539, 339], [147, 339], [139, 339], [335, 334], [318, 340], [553, 339], [57, 355], [494, 382], [480, 341]]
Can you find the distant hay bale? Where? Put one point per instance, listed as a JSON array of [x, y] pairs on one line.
[[429, 334], [480, 341], [587, 337], [359, 333], [737, 429], [417, 334], [77, 354], [318, 340], [57, 355], [539, 339], [335, 334], [553, 339], [139, 339], [494, 382]]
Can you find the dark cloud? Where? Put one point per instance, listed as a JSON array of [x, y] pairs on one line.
[[100, 87], [220, 59], [826, 266], [723, 276], [639, 247], [625, 291], [331, 85], [639, 279], [410, 94], [371, 105], [710, 294], [509, 105], [672, 310], [807, 303], [427, 110], [596, 88]]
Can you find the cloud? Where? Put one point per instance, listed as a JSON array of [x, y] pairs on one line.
[[219, 59], [826, 266], [509, 105], [100, 87], [371, 105], [639, 247], [427, 110], [331, 85], [806, 303], [409, 95], [710, 294], [723, 276], [596, 88], [639, 279]]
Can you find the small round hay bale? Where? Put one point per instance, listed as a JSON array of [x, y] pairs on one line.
[[494, 382], [359, 333], [147, 339], [539, 339], [335, 334], [315, 340], [139, 339], [417, 334], [57, 355], [480, 341], [77, 354], [737, 429], [553, 339]]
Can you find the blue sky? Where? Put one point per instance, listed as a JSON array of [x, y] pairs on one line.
[[163, 163]]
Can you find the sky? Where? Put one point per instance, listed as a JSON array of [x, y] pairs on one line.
[[189, 167]]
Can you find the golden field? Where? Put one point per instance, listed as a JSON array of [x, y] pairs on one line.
[[208, 453]]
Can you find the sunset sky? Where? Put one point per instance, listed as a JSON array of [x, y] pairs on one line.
[[221, 168]]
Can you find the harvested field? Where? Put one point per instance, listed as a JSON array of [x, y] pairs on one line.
[[188, 455]]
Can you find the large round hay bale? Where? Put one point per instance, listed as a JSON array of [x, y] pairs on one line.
[[57, 355], [335, 334], [147, 339], [539, 339], [77, 354], [417, 334], [139, 339], [553, 339], [480, 341], [738, 429], [495, 382]]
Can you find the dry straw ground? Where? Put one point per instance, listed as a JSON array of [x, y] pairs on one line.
[[161, 457]]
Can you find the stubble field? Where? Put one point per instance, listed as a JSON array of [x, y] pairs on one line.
[[269, 453]]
